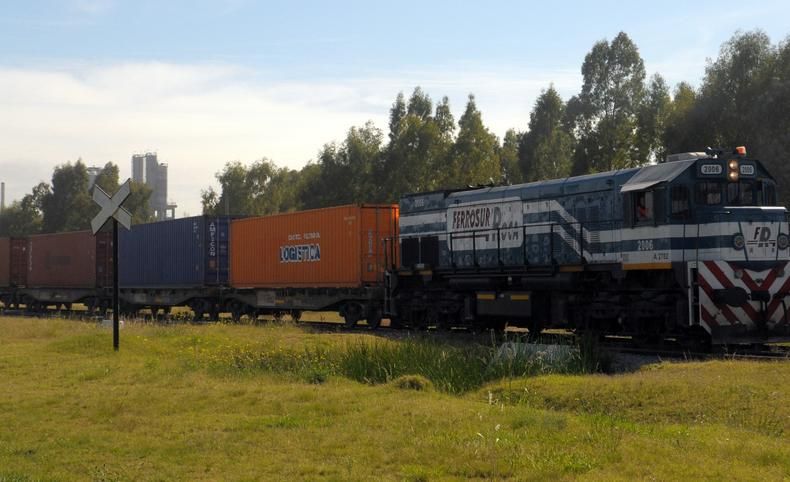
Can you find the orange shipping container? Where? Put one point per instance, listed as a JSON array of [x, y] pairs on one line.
[[5, 261], [335, 247]]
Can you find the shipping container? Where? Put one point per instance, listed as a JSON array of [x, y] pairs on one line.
[[335, 247], [61, 260], [177, 253], [5, 262]]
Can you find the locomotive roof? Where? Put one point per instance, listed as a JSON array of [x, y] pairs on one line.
[[654, 174], [552, 187]]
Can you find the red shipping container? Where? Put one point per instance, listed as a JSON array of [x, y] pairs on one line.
[[335, 247], [61, 260], [5, 262]]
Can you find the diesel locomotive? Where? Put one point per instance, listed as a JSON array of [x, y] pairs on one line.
[[693, 248]]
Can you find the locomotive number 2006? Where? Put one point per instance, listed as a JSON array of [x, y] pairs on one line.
[[645, 245]]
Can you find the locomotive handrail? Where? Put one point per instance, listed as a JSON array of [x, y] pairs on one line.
[[473, 234], [556, 254]]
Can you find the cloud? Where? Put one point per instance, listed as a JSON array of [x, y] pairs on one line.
[[197, 117]]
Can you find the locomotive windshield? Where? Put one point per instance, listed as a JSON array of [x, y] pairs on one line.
[[709, 193], [741, 193]]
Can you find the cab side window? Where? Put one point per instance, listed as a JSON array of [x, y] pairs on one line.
[[680, 202], [644, 211]]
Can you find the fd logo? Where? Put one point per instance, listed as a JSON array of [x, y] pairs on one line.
[[761, 237]]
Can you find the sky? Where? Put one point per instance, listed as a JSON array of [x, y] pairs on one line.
[[210, 81]]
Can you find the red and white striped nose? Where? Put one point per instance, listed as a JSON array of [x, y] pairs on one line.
[[735, 296]]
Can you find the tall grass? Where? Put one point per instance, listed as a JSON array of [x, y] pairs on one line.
[[450, 368]]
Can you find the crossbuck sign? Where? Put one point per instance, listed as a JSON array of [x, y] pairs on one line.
[[111, 207]]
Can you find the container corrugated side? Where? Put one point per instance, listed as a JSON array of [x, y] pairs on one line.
[[332, 247], [5, 262], [178, 253], [61, 260]]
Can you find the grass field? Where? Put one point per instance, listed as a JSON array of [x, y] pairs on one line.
[[225, 402]]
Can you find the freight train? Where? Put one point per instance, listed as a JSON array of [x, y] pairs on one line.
[[320, 260], [693, 248]]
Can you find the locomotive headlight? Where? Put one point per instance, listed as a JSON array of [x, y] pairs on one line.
[[782, 241], [732, 168], [738, 273], [738, 241]]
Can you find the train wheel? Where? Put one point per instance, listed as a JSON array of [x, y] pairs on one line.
[[535, 328], [374, 318], [352, 313], [396, 322], [296, 315], [236, 311], [90, 306]]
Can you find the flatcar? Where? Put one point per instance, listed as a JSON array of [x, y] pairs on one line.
[[693, 248]]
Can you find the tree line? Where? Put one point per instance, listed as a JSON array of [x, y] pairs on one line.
[[619, 119], [67, 203]]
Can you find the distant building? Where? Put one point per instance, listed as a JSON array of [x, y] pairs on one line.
[[93, 173], [147, 169]]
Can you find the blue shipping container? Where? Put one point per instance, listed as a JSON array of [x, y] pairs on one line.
[[178, 253]]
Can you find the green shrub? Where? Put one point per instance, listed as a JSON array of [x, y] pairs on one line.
[[413, 382]]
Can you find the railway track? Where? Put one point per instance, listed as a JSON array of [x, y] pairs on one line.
[[669, 349]]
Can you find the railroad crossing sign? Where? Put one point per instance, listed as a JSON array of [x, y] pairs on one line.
[[111, 207]]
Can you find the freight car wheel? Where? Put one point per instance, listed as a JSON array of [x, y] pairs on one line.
[[236, 311], [236, 314], [296, 315], [352, 313]]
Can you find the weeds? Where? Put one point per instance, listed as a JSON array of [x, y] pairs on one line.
[[447, 367]]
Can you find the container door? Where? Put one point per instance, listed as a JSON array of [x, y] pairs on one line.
[[104, 262], [378, 224], [216, 249], [19, 261], [5, 261]]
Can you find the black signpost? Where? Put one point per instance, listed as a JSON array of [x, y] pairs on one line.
[[111, 208]]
